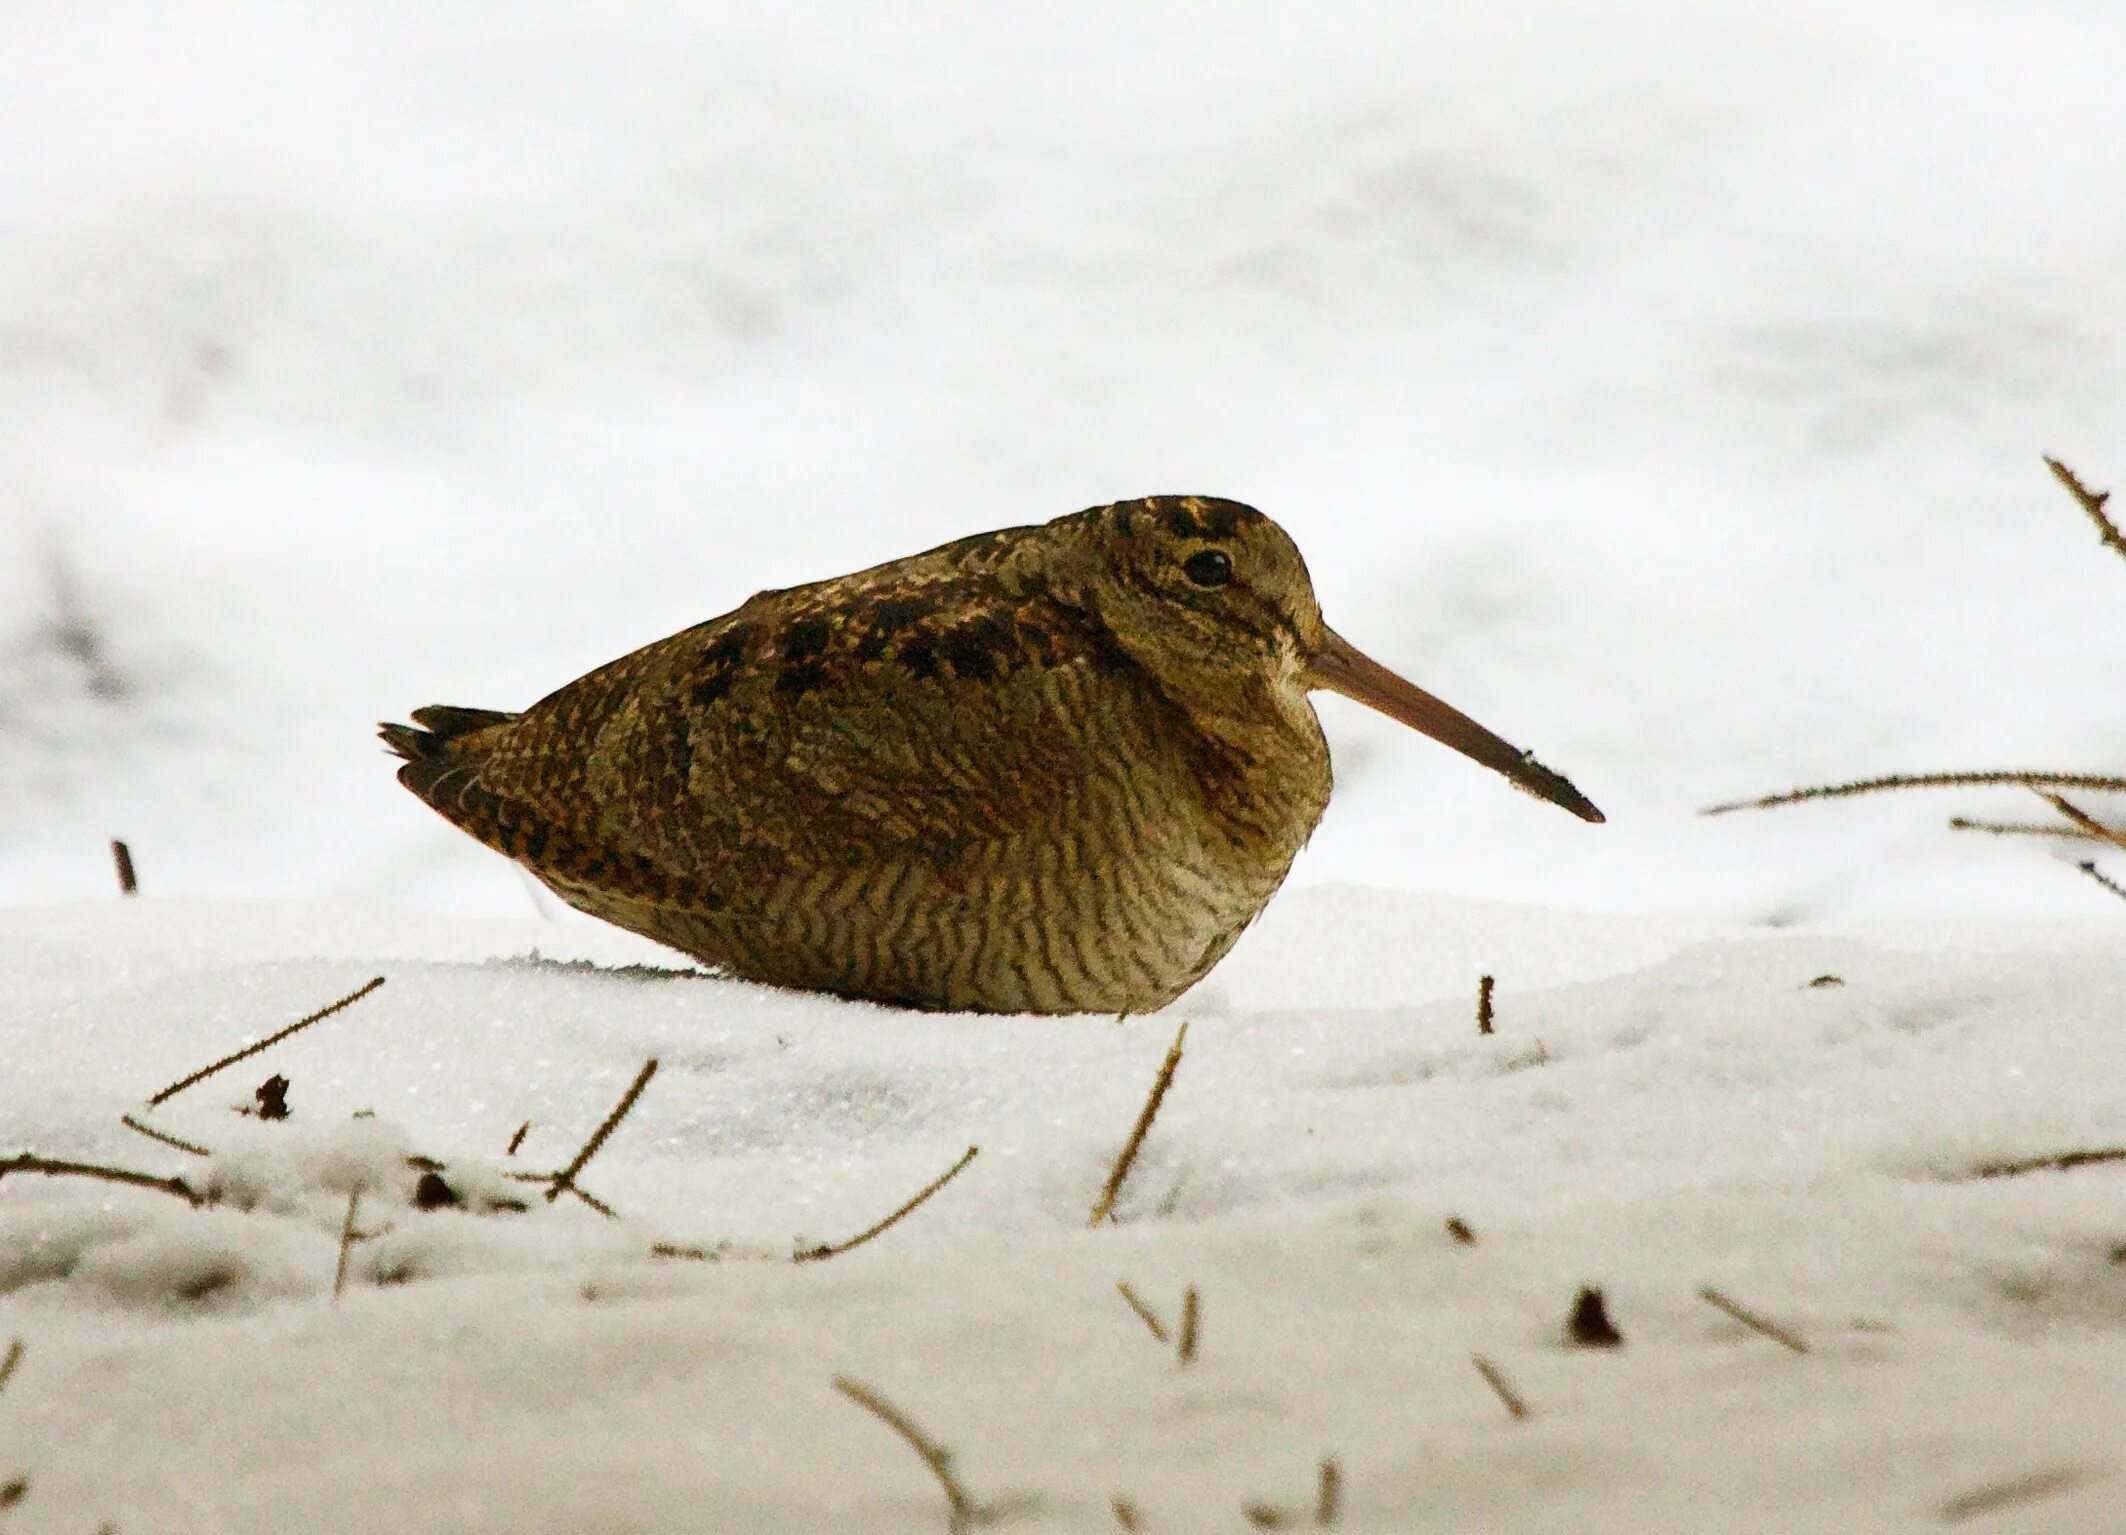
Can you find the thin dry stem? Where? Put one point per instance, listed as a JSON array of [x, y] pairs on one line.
[[565, 1180], [2019, 829], [267, 1043], [8, 1366], [163, 1137], [1104, 1207], [2102, 878], [518, 1139], [2092, 502], [1752, 1320], [28, 1162], [122, 861], [836, 1249], [1986, 779], [2030, 1487], [1191, 1325], [339, 1271], [1459, 1230], [963, 1512], [2053, 1162], [1329, 1494], [1516, 1408], [2084, 820], [1484, 985], [1145, 1314], [1125, 1513], [574, 1190]]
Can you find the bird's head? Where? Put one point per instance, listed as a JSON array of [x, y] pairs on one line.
[[1212, 598]]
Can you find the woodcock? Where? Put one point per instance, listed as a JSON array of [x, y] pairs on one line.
[[1048, 769]]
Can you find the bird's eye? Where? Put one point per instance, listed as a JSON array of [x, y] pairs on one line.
[[1208, 567]]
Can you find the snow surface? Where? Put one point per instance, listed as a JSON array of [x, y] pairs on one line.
[[1661, 384], [1691, 1112]]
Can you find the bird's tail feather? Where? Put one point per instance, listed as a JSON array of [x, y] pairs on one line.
[[436, 728]]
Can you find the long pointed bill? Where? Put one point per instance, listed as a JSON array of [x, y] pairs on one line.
[[1343, 668]]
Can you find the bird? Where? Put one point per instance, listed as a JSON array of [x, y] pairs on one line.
[[1048, 769]]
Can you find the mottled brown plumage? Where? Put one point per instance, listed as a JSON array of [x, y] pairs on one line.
[[1047, 769]]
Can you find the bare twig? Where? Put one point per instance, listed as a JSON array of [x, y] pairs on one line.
[[1515, 1407], [2090, 869], [1191, 1325], [1459, 1230], [163, 1136], [15, 1351], [2092, 502], [1145, 1314], [1329, 1496], [2055, 1162], [1484, 985], [2005, 778], [836, 1249], [1752, 1320], [574, 1190], [27, 1162], [1992, 1497], [963, 1511], [1104, 1207], [565, 1180], [2084, 820], [2019, 829], [339, 1271], [518, 1139], [122, 860], [265, 1044]]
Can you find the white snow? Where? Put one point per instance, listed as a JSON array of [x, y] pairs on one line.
[[1664, 385]]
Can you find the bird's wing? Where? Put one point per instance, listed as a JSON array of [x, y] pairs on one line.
[[821, 728]]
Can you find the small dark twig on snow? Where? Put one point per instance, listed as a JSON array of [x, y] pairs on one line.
[[565, 1180], [163, 1137], [836, 1249], [1752, 1320], [2090, 501], [1145, 1314], [28, 1162], [2089, 868], [2001, 779], [1516, 1408], [2054, 1162], [963, 1512], [1104, 1207], [122, 861], [267, 1043]]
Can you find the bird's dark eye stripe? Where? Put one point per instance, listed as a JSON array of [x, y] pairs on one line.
[[1208, 567]]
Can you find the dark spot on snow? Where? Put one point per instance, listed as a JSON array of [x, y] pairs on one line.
[[209, 1280], [432, 1193], [271, 1097], [1827, 980], [1589, 1325]]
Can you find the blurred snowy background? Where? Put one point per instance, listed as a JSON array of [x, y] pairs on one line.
[[1662, 384]]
